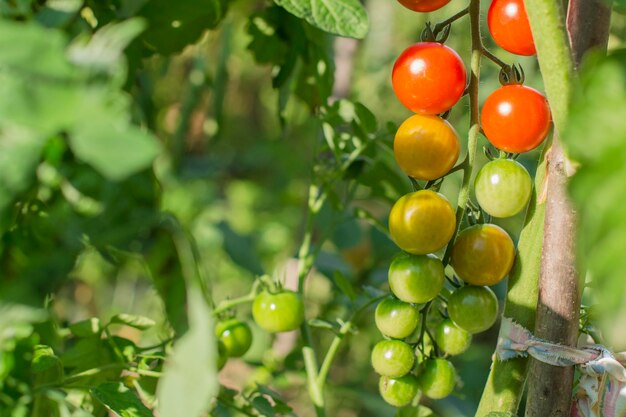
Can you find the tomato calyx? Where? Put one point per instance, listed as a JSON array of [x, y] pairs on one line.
[[512, 74], [438, 33]]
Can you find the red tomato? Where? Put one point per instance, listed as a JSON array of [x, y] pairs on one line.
[[509, 26], [516, 118], [424, 5], [429, 78]]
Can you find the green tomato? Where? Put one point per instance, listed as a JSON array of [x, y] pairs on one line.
[[416, 278], [392, 358], [398, 391], [474, 309], [235, 335], [503, 187], [396, 318], [436, 378], [280, 312], [222, 356], [451, 338]]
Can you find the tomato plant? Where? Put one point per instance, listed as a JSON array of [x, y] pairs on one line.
[[398, 391], [422, 222], [416, 278], [483, 254], [452, 339], [509, 26], [516, 118], [426, 147], [503, 187], [392, 358], [235, 335], [278, 312], [395, 318], [474, 309], [436, 378], [428, 78]]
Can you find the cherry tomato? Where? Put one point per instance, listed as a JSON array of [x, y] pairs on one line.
[[222, 355], [474, 309], [280, 312], [398, 391], [235, 335], [392, 358], [395, 318], [423, 6], [422, 222], [426, 147], [483, 254], [428, 78], [416, 278], [509, 26], [503, 187], [436, 378], [516, 118], [451, 338]]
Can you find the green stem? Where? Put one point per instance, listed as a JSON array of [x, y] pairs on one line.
[[228, 304], [474, 130]]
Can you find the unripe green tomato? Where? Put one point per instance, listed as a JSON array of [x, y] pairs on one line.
[[503, 187], [222, 356], [398, 391], [392, 358], [474, 309], [451, 338], [436, 378], [235, 335], [280, 312], [416, 278], [395, 318]]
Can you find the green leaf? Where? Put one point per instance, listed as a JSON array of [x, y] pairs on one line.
[[172, 25], [112, 146], [190, 371], [20, 151], [46, 365], [322, 324], [344, 285], [500, 414], [340, 17], [596, 137], [120, 400], [138, 322], [86, 328]]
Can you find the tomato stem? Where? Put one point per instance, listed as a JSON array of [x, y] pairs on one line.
[[441, 25], [489, 55]]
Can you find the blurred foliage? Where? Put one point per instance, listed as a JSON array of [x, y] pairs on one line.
[[156, 157]]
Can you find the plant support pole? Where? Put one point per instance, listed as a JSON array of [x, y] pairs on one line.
[[560, 288]]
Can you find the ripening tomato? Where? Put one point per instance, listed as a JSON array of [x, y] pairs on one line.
[[398, 391], [422, 222], [436, 378], [509, 26], [516, 118], [426, 147], [392, 358], [424, 6], [280, 312], [416, 278], [395, 318], [483, 254], [235, 335], [474, 309], [503, 187], [429, 78]]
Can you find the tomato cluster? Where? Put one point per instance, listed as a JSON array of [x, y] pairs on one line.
[[429, 78], [274, 312]]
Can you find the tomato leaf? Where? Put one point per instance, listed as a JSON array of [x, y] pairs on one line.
[[86, 328], [120, 400], [596, 138], [340, 17], [138, 322]]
